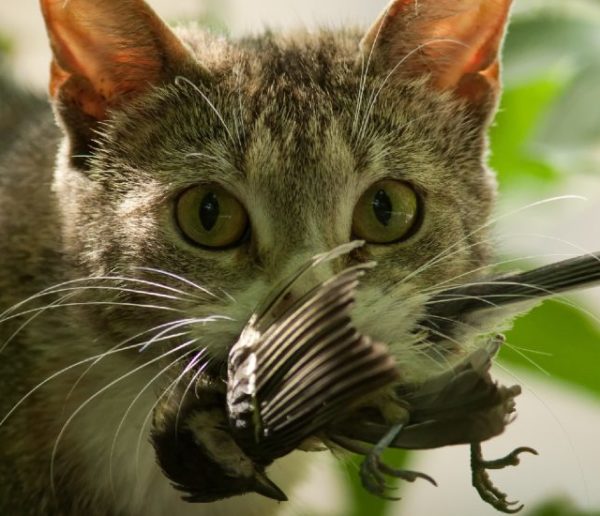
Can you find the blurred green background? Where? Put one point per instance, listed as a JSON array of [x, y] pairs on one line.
[[545, 142]]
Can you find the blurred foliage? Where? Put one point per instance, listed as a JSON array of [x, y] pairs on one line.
[[560, 339], [5, 50], [518, 164], [560, 508], [5, 45], [554, 44]]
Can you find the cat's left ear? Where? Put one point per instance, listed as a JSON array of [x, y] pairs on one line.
[[455, 43]]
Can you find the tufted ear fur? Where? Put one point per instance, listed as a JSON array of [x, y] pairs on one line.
[[455, 42], [105, 52]]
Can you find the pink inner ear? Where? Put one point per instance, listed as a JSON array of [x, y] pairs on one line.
[[481, 31], [448, 39], [105, 50]]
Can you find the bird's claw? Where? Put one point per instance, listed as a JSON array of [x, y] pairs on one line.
[[484, 485], [373, 472]]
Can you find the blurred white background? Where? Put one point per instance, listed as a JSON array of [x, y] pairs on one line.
[[562, 423]]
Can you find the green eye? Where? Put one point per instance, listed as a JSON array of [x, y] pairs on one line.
[[211, 217], [386, 212]]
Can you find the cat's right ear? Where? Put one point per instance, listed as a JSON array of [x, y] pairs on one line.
[[455, 44], [105, 53]]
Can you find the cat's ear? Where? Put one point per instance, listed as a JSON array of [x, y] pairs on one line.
[[455, 43], [105, 53]]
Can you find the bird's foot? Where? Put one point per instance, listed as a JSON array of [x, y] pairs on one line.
[[373, 470], [484, 485]]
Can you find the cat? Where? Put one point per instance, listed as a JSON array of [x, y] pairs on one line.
[[178, 177]]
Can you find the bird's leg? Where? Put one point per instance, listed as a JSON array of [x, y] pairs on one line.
[[484, 485], [373, 470]]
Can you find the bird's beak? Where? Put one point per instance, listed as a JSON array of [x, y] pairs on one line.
[[266, 487]]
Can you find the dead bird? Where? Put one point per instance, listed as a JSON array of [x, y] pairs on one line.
[[301, 375]]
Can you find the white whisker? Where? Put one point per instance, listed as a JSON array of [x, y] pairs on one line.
[[92, 398], [64, 370], [134, 401], [179, 278], [376, 94], [180, 79], [443, 254]]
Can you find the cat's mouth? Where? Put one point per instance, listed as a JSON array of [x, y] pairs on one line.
[[302, 370]]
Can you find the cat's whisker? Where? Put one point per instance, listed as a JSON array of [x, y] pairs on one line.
[[239, 119], [448, 282], [444, 336], [447, 251], [471, 326], [240, 102], [586, 252], [134, 401], [54, 288], [177, 277], [558, 298], [141, 344], [532, 351], [376, 93], [489, 297], [91, 303], [195, 360], [84, 288], [171, 387], [165, 331], [365, 71], [55, 375], [180, 79], [30, 320], [363, 74], [426, 350], [527, 358], [387, 289], [193, 363], [94, 396], [201, 369], [552, 413], [133, 338], [168, 391], [185, 322]]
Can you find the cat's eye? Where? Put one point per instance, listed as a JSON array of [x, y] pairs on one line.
[[211, 217], [387, 212]]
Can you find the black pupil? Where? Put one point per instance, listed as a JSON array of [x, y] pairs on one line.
[[209, 211], [382, 207]]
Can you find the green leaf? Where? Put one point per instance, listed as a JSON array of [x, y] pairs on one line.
[[513, 158], [567, 334]]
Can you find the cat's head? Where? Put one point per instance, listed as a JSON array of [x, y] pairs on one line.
[[214, 168]]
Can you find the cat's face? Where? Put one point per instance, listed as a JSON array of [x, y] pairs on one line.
[[268, 148], [296, 130]]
